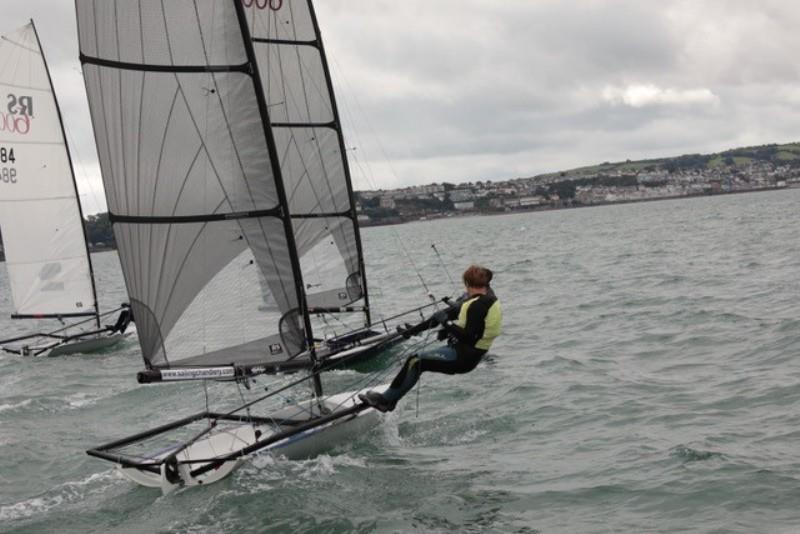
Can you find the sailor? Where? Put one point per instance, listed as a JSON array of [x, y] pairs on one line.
[[469, 326], [125, 318]]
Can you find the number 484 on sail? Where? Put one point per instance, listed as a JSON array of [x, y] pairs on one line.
[[8, 175]]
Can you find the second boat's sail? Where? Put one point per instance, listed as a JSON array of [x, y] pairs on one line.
[[46, 254]]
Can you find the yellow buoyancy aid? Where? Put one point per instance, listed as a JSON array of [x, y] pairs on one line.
[[493, 322]]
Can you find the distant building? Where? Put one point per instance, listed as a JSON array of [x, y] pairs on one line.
[[431, 189], [461, 195], [466, 205], [527, 202]]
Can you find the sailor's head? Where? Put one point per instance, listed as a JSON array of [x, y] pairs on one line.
[[477, 279]]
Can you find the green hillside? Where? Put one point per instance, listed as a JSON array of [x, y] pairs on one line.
[[788, 154]]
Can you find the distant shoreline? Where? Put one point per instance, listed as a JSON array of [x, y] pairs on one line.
[[532, 210], [545, 209]]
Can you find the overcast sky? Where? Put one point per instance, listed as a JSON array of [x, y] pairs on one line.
[[465, 90]]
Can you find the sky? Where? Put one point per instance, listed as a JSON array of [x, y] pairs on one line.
[[467, 90]]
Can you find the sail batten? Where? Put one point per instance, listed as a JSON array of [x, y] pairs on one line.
[[182, 69], [40, 214]]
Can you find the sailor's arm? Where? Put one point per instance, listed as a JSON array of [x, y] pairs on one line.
[[474, 322], [449, 313], [472, 330]]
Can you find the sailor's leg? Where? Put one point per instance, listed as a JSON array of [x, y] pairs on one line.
[[439, 360]]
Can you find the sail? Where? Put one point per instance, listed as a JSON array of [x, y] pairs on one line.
[[308, 135], [45, 247], [191, 181]]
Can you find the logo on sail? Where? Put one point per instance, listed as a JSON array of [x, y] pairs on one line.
[[47, 274], [18, 115]]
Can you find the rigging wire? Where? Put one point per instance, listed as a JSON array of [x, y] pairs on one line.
[[368, 176], [245, 380], [85, 178], [445, 269]]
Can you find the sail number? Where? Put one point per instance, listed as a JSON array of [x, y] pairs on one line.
[[273, 5], [8, 175]]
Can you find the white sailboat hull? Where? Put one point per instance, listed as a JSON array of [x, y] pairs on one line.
[[88, 345], [43, 344], [299, 446]]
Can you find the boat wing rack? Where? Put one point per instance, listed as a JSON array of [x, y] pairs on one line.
[[168, 458]]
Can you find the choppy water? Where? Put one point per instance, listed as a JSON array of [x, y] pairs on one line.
[[648, 381]]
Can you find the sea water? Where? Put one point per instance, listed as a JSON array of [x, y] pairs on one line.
[[647, 380]]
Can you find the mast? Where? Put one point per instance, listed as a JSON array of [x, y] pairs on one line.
[[72, 174], [348, 179], [284, 203]]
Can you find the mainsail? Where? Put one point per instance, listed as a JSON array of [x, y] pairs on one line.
[[40, 214], [193, 182], [308, 136]]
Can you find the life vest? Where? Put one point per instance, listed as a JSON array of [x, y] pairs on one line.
[[486, 312]]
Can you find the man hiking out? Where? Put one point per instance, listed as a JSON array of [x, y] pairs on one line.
[[469, 329]]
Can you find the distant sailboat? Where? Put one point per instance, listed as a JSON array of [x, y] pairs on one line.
[[229, 190], [47, 256]]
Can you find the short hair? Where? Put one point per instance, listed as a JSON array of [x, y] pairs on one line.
[[477, 276]]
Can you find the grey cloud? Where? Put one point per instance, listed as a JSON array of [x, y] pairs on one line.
[[477, 89]]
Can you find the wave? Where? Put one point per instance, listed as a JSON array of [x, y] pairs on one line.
[[65, 494], [15, 406], [688, 454], [264, 472]]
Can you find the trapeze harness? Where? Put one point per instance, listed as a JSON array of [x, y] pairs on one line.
[[479, 321]]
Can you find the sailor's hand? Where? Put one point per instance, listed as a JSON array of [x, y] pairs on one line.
[[440, 317]]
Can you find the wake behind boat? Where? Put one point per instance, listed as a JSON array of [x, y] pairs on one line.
[[47, 256], [230, 194]]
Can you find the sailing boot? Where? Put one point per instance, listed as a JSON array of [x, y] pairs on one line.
[[377, 401]]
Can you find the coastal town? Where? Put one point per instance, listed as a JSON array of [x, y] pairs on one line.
[[741, 170]]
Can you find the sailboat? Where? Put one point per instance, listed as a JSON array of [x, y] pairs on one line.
[[228, 185], [47, 256]]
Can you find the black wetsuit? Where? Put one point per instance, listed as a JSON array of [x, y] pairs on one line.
[[458, 357]]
